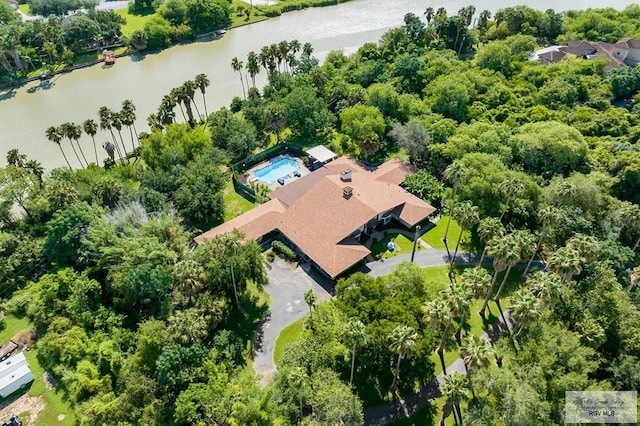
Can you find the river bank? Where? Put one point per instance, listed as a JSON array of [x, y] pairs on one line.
[[267, 12]]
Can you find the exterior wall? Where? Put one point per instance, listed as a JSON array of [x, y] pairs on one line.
[[621, 53], [633, 57]]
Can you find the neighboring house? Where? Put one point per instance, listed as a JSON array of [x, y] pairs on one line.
[[14, 374], [324, 213], [624, 53]]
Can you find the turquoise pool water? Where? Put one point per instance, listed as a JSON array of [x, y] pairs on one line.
[[276, 170]]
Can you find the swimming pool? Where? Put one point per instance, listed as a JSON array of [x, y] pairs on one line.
[[276, 170]]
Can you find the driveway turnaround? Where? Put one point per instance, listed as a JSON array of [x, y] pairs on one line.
[[287, 284]]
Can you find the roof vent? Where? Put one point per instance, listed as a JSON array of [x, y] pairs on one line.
[[345, 175], [347, 192]]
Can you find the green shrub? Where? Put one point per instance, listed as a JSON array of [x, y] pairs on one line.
[[283, 250], [270, 255]]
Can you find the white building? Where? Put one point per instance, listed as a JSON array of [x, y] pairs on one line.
[[14, 374]]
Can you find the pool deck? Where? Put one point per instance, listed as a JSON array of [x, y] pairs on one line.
[[275, 185]]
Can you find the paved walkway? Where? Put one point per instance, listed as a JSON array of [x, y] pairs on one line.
[[287, 285]]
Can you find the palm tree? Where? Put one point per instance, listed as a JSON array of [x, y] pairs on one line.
[[166, 110], [14, 158], [454, 387], [586, 245], [476, 280], [428, 14], [105, 117], [355, 335], [298, 380], [454, 174], [154, 122], [202, 82], [502, 250], [237, 66], [548, 216], [253, 68], [67, 130], [524, 309], [35, 168], [307, 49], [403, 342], [545, 286], [128, 117], [189, 89], [522, 246], [76, 133], [467, 216], [565, 262], [116, 122], [438, 313], [488, 228], [509, 188], [52, 135], [91, 128], [176, 96], [189, 278], [476, 354], [310, 299], [283, 51]]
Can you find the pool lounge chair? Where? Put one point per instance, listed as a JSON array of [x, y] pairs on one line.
[[297, 173], [281, 181]]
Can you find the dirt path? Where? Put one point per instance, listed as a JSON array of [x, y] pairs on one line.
[[32, 405]]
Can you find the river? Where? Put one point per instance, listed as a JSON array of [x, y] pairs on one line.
[[26, 112]]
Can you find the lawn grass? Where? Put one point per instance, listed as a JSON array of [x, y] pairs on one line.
[[234, 203], [289, 334], [434, 236], [55, 404], [24, 8], [403, 246], [238, 21], [134, 22]]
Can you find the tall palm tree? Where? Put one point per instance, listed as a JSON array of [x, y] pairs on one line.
[[467, 215], [91, 128], [488, 228], [502, 250], [283, 51], [438, 313], [310, 299], [105, 117], [402, 342], [548, 217], [523, 242], [524, 309], [586, 245], [237, 66], [202, 82], [545, 286], [166, 110], [476, 354], [428, 14], [155, 122], [476, 280], [116, 122], [298, 380], [76, 133], [128, 117], [52, 135], [253, 68], [176, 96], [454, 387], [454, 173], [355, 335], [509, 188], [14, 158], [565, 262], [67, 130], [189, 89], [35, 168]]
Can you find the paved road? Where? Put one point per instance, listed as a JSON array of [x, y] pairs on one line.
[[424, 258], [287, 285]]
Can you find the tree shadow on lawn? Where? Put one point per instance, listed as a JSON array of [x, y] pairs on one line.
[[246, 323]]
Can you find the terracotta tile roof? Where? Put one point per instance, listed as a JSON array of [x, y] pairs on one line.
[[254, 224], [315, 214]]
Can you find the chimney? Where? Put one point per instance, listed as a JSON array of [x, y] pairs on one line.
[[345, 175], [347, 192]]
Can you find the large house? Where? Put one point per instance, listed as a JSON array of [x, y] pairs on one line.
[[324, 213], [624, 53]]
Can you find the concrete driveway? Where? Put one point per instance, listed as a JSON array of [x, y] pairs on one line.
[[287, 285]]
